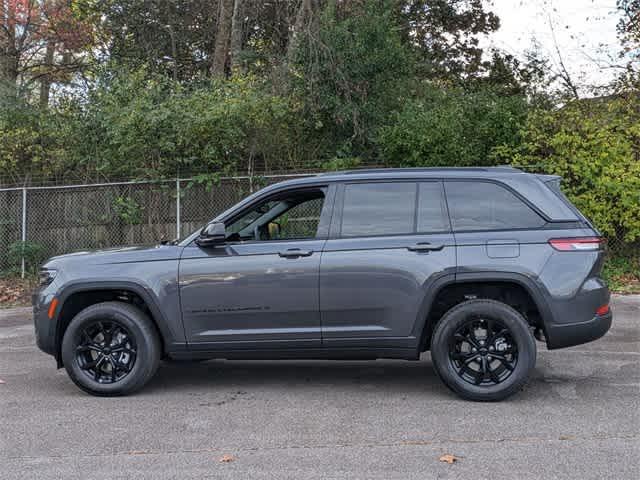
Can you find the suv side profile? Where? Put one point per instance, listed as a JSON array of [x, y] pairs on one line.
[[470, 263]]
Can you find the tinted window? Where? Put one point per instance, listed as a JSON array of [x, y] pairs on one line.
[[432, 213], [378, 209], [487, 206], [292, 215], [300, 221]]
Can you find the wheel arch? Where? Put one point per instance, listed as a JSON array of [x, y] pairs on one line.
[[428, 314], [76, 297]]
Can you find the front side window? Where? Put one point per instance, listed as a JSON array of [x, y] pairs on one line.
[[488, 206], [294, 215], [378, 209]]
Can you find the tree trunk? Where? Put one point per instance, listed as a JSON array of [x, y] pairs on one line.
[[223, 35], [9, 55], [304, 17], [45, 80], [237, 33]]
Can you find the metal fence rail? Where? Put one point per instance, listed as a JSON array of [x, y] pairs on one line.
[[39, 222]]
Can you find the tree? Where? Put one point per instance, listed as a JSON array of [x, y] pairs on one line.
[[40, 42], [629, 34], [223, 38]]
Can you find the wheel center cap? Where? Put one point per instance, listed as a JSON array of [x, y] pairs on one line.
[[106, 350]]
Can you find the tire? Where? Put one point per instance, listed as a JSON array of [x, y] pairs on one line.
[[503, 370], [126, 364]]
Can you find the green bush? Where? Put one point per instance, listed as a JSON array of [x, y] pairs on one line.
[[593, 145], [451, 128], [622, 272], [33, 253]]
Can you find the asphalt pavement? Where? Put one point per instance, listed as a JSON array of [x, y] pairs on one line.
[[578, 417]]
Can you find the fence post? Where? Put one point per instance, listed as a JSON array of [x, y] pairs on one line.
[[178, 207], [24, 225]]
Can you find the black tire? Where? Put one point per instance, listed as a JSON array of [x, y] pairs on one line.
[[460, 370], [143, 349]]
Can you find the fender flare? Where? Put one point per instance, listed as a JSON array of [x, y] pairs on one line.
[[157, 315], [434, 289]]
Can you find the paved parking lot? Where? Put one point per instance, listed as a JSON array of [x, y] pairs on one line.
[[579, 417]]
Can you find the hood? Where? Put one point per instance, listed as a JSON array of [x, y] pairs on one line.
[[132, 254]]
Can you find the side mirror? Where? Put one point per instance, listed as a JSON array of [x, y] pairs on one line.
[[211, 235]]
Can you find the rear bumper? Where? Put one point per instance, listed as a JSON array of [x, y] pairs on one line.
[[570, 334]]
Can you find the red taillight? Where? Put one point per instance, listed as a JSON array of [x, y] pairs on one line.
[[580, 244], [603, 310]]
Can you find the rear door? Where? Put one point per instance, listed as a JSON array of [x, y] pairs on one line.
[[389, 242]]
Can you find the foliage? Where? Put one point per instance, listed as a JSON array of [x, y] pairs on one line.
[[351, 74], [140, 124], [452, 127], [32, 253], [622, 272], [594, 145], [127, 210]]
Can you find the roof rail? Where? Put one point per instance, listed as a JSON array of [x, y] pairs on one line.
[[501, 168]]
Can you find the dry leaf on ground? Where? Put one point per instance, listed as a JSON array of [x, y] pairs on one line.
[[448, 458], [227, 458]]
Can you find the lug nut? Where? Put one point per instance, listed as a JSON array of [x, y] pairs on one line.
[[491, 349]]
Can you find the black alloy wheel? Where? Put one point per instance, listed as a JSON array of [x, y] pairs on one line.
[[106, 352], [111, 348], [483, 351]]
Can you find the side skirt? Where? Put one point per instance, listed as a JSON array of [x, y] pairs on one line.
[[299, 354]]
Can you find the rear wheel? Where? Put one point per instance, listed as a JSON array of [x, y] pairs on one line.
[[111, 348], [483, 350]]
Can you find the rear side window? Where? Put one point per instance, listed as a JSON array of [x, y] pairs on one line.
[[389, 208], [487, 206], [378, 209]]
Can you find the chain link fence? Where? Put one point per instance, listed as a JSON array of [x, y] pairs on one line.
[[39, 222]]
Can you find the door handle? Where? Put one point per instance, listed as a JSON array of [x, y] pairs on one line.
[[295, 253], [425, 247]]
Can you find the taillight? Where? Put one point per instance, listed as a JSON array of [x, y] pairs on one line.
[[579, 244], [603, 310]]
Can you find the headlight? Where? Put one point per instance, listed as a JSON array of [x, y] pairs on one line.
[[46, 276]]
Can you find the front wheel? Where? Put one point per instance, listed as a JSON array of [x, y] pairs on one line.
[[110, 349], [483, 350]]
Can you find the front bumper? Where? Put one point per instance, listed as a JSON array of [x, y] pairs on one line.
[[570, 334], [45, 328]]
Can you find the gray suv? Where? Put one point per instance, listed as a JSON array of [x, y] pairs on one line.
[[471, 264]]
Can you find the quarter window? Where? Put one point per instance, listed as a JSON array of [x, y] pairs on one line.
[[487, 206]]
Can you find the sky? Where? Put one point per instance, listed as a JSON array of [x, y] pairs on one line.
[[585, 32]]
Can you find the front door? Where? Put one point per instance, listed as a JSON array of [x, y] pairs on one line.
[[260, 289]]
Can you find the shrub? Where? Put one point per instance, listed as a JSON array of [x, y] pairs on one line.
[[33, 253], [594, 146]]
